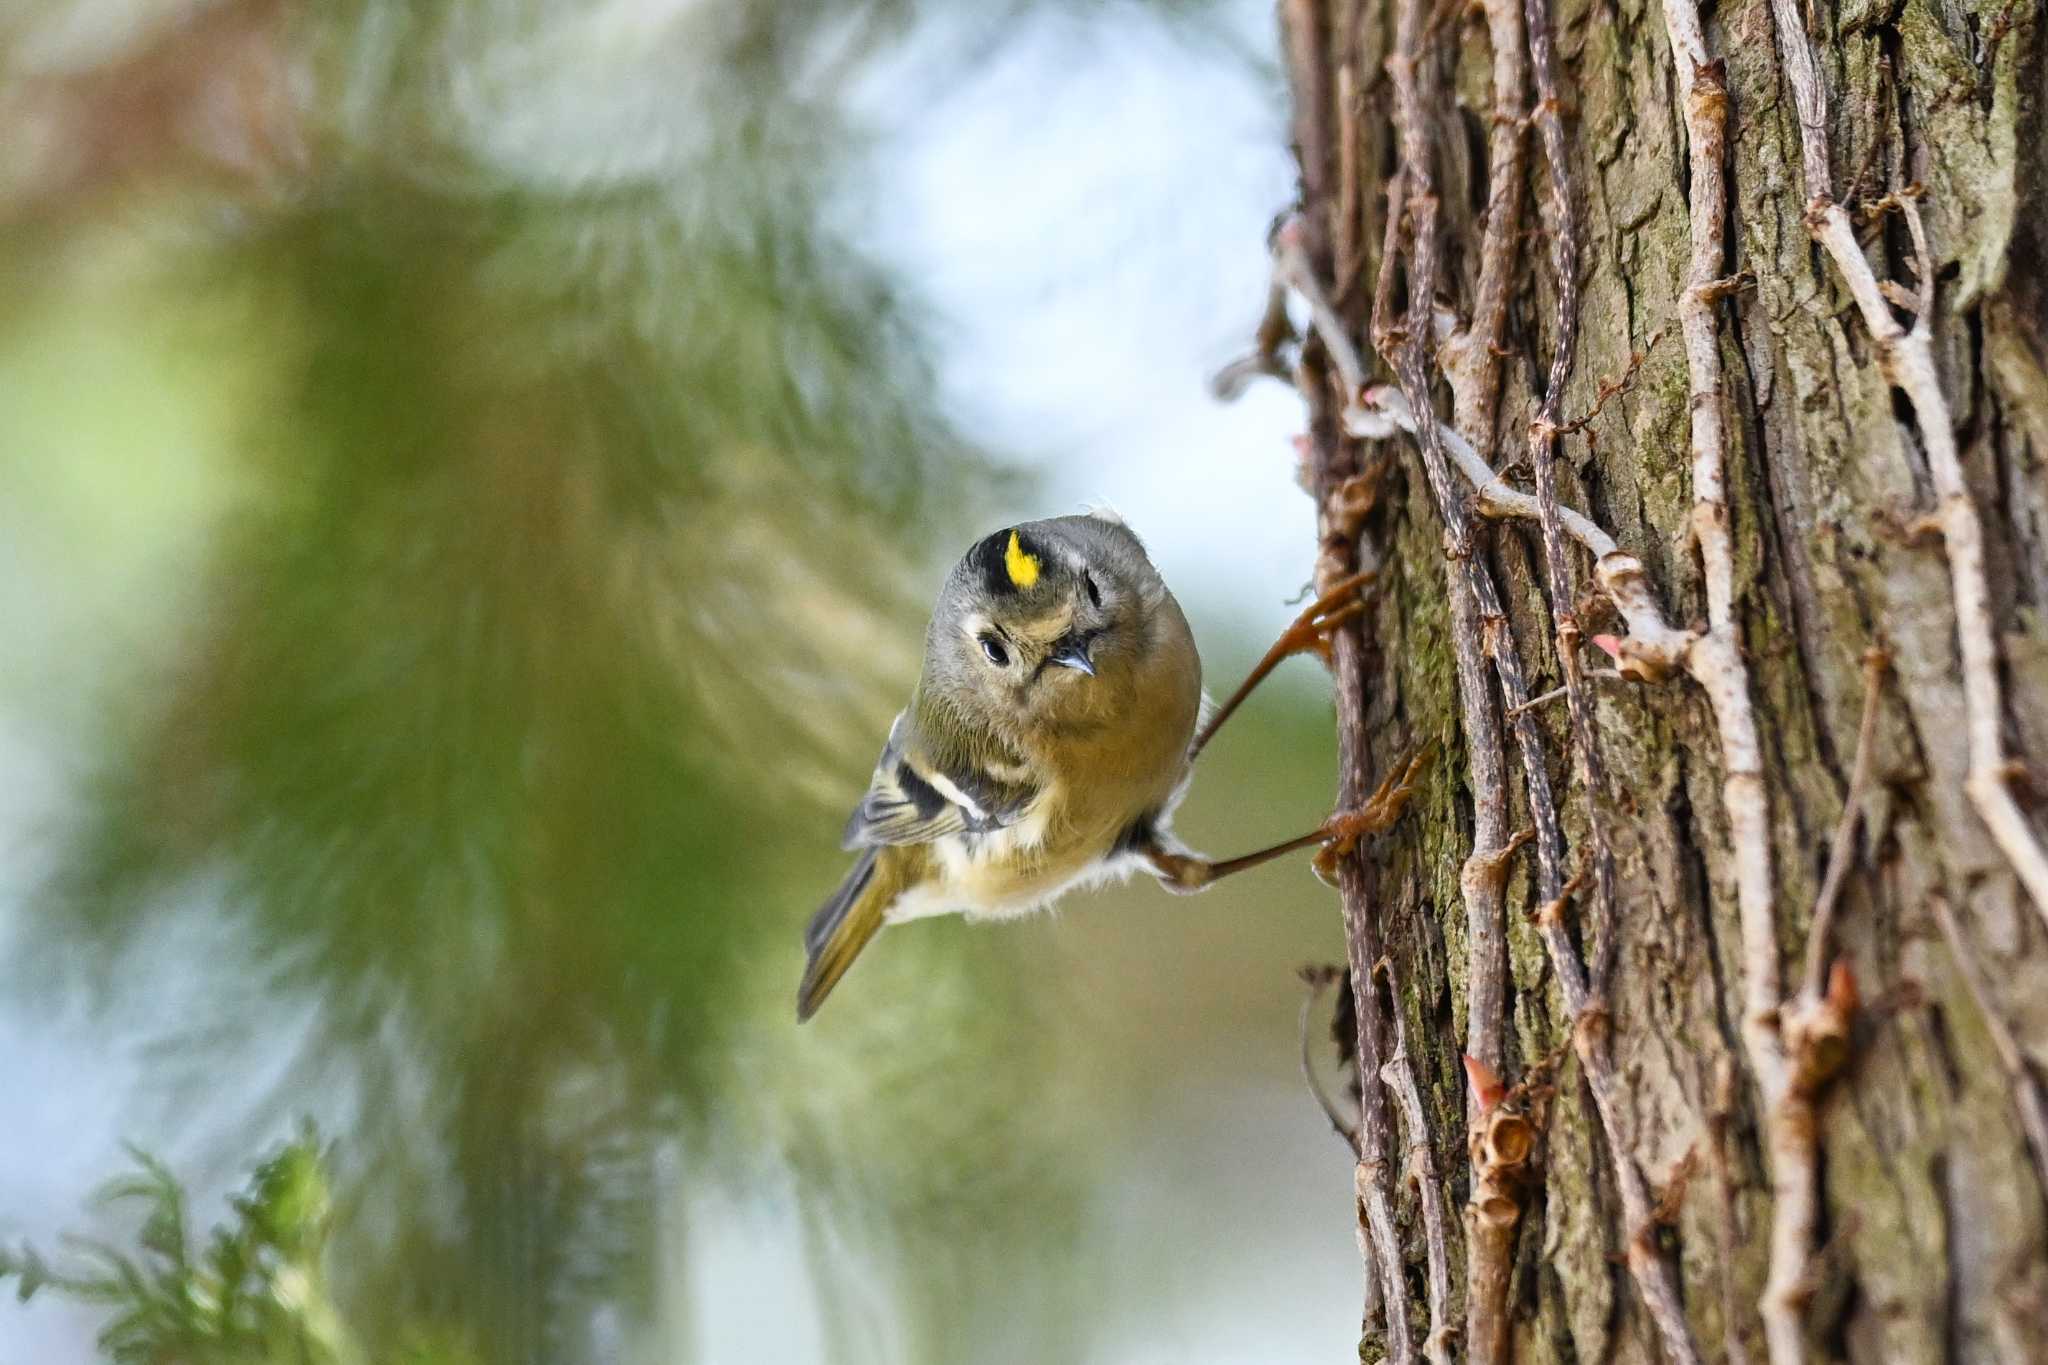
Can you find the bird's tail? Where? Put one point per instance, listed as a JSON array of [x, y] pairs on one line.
[[844, 924]]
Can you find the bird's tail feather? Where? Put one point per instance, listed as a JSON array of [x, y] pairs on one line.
[[843, 926]]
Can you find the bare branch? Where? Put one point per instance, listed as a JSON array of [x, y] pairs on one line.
[[1318, 980], [1415, 194], [1543, 699], [1501, 1142], [1610, 389], [1405, 349], [1469, 590], [1267, 357], [2026, 1086], [1652, 1275], [1716, 662], [1292, 267], [1727, 1236], [1399, 1076], [1906, 359], [1653, 646], [1471, 363], [1471, 356], [1564, 238], [1875, 662]]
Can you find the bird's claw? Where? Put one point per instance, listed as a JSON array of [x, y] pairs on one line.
[[1378, 814], [1311, 632], [1316, 627]]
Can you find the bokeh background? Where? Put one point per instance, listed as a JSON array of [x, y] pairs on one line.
[[471, 478]]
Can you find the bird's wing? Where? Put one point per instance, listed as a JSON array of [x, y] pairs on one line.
[[916, 797]]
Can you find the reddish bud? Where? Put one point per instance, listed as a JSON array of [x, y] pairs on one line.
[[1842, 994], [1487, 1089]]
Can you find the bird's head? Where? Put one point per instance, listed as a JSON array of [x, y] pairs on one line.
[[1042, 623]]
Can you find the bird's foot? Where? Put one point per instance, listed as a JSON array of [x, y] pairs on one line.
[[1378, 814], [1181, 873], [1311, 633], [1313, 630]]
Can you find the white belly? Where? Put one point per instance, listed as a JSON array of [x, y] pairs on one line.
[[1009, 872]]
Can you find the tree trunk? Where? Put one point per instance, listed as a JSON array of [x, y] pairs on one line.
[[1752, 1142]]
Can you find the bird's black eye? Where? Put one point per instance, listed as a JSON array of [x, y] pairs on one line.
[[1094, 593], [993, 649]]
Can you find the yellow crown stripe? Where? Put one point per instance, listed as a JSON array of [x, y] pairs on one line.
[[1023, 567]]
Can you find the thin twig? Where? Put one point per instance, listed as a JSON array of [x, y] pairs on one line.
[[1305, 36], [1500, 1142], [1652, 1275], [1347, 251], [1875, 661], [1483, 877], [2026, 1086], [1471, 361], [1406, 350], [1726, 1235], [1646, 1264], [1610, 389], [1292, 267], [1463, 574], [1470, 358], [1318, 979], [1478, 621], [1383, 322], [1653, 647], [1399, 1076], [1373, 1176], [1906, 360], [1556, 693], [1271, 341], [1564, 238], [1716, 662], [1540, 699]]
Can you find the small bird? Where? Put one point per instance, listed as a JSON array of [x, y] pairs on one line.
[[1049, 738]]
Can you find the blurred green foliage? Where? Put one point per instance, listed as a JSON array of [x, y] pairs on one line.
[[566, 476]]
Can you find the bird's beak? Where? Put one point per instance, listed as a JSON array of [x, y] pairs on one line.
[[1072, 652]]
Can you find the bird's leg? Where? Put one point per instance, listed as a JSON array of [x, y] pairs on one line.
[[1310, 631], [1188, 872]]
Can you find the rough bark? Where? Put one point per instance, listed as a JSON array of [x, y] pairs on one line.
[[1928, 1235]]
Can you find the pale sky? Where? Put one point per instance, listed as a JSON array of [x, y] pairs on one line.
[[1090, 212]]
